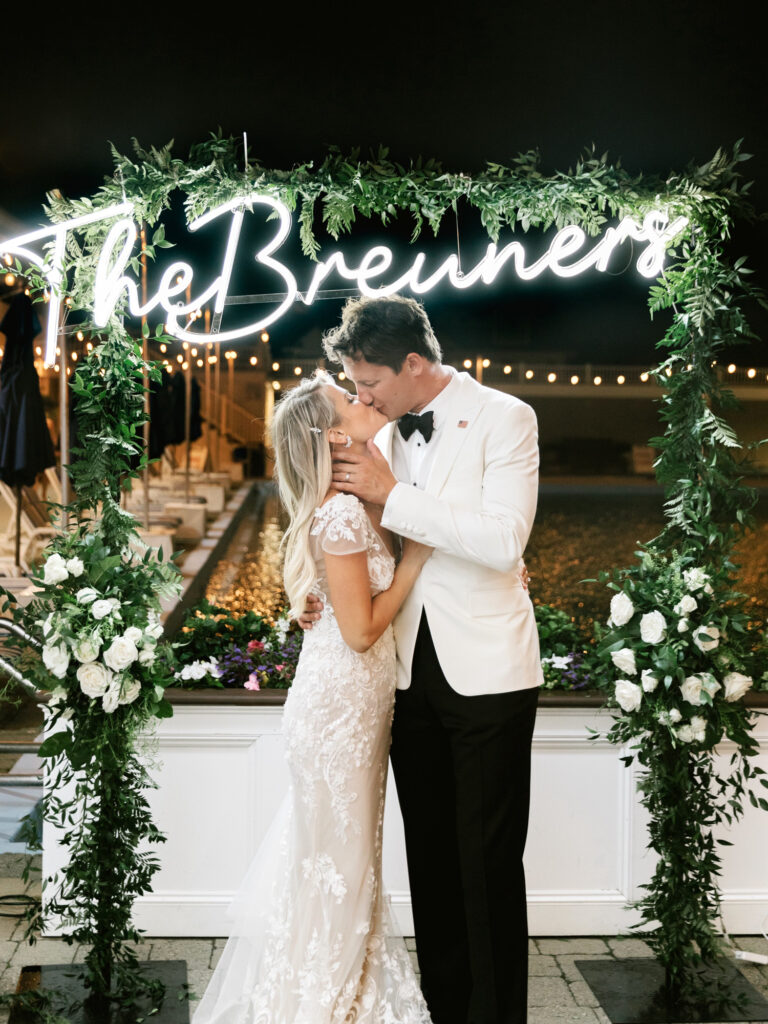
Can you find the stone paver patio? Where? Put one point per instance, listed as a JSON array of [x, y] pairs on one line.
[[557, 991]]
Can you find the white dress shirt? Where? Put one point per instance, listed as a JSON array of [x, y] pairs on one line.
[[412, 459]]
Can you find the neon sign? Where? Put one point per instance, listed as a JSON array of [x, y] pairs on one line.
[[369, 276]]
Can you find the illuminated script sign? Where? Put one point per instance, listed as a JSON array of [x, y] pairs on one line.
[[373, 275]]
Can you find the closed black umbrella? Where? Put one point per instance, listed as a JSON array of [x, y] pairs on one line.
[[25, 443]]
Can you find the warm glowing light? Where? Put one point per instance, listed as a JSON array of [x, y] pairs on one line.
[[751, 373], [342, 376], [507, 369], [89, 347], [467, 364], [529, 374], [276, 385], [297, 370], [212, 360], [80, 336], [731, 368], [668, 371], [8, 260], [597, 380], [194, 352], [253, 360], [10, 279], [168, 367], [621, 379], [275, 366], [200, 362], [179, 358], [58, 351], [69, 370], [185, 365], [57, 367], [575, 379], [551, 377], [644, 377], [486, 363], [74, 357], [185, 345], [163, 348], [38, 351], [68, 301], [265, 336]]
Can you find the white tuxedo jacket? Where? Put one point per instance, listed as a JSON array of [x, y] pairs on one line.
[[477, 511]]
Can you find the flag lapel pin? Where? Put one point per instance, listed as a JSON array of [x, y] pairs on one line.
[[462, 424]]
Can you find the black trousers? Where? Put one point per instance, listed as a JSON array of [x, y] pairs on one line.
[[462, 770]]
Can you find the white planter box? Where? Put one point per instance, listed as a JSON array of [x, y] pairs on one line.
[[221, 777]]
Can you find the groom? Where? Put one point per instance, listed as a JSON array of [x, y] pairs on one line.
[[459, 472]]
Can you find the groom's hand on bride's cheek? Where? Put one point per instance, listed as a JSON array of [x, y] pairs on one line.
[[366, 476], [312, 609]]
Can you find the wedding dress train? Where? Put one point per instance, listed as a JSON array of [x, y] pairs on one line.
[[311, 941]]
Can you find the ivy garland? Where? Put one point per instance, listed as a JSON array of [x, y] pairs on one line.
[[706, 502]]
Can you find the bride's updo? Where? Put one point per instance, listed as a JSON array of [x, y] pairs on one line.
[[304, 471]]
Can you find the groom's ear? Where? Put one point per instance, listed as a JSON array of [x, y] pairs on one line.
[[414, 363]]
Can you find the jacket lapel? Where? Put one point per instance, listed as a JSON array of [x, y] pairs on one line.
[[460, 417]]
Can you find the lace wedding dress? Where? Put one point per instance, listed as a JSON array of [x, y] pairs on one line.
[[311, 941]]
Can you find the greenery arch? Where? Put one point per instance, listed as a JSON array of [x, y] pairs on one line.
[[707, 508]]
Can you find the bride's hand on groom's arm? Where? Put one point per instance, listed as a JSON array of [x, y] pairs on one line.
[[366, 476]]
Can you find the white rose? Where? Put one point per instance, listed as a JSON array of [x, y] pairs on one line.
[[75, 567], [709, 683], [134, 634], [736, 685], [685, 734], [695, 579], [682, 626], [47, 624], [686, 605], [708, 589], [120, 654], [54, 570], [648, 680], [101, 609], [624, 660], [56, 659], [86, 594], [111, 699], [699, 728], [58, 694], [691, 690], [674, 715], [129, 691], [154, 630], [706, 638], [622, 609], [94, 679], [653, 626], [87, 650], [147, 656], [628, 695]]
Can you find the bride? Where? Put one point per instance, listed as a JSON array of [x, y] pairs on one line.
[[310, 939]]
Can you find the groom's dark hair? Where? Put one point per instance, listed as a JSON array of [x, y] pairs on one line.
[[382, 331]]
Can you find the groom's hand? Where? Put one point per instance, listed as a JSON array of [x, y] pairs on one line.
[[366, 476], [312, 609]]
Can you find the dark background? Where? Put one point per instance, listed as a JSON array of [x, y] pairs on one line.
[[656, 85]]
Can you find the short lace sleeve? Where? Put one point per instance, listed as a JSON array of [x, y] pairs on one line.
[[340, 525]]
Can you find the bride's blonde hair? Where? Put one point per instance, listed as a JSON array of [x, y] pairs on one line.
[[303, 466]]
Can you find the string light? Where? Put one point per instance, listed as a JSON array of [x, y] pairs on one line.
[[253, 360], [265, 336], [529, 375], [80, 336], [668, 371], [163, 348], [194, 353], [731, 368], [621, 379], [200, 362], [574, 379], [89, 347], [212, 360], [10, 279], [297, 370], [58, 351], [74, 357], [38, 351], [185, 345], [598, 380], [185, 365], [342, 376], [486, 363], [467, 364], [751, 373], [276, 385], [275, 366], [551, 377], [179, 358], [507, 369], [644, 377]]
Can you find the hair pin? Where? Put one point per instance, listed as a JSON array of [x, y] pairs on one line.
[[316, 430]]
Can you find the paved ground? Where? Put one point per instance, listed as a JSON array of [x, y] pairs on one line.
[[557, 991]]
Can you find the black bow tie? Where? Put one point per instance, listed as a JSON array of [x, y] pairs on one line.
[[410, 422]]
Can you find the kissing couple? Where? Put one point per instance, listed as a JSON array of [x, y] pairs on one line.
[[404, 565]]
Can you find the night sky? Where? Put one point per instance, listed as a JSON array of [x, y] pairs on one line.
[[657, 86]]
